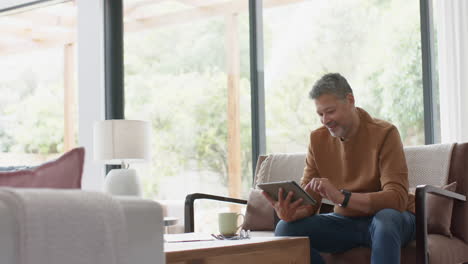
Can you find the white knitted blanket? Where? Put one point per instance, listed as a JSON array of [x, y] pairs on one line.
[[67, 226]]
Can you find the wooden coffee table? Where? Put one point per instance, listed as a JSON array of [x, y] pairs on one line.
[[271, 250]]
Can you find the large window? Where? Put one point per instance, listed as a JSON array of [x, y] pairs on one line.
[[187, 72], [185, 61], [37, 65], [376, 45]]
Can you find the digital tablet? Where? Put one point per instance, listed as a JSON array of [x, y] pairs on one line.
[[272, 189]]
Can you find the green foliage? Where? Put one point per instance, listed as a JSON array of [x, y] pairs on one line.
[[374, 44], [181, 87], [210, 143], [395, 90], [7, 141], [34, 114]]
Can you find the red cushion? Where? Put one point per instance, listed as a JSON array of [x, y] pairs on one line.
[[63, 173]]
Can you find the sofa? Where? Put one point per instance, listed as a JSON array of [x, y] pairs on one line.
[[430, 168], [143, 222], [45, 218]]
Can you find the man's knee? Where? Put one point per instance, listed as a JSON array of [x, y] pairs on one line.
[[304, 227], [287, 229], [386, 222]]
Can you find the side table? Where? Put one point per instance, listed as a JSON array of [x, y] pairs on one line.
[[261, 250]]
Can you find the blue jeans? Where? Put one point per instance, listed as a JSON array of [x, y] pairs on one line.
[[385, 233]]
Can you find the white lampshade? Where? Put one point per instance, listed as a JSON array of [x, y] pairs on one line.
[[117, 141]]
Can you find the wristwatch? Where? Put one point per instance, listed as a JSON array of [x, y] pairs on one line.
[[347, 195]]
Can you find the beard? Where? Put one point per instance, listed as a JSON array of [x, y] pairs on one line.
[[336, 131]]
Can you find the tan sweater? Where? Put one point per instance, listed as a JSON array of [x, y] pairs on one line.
[[370, 162]]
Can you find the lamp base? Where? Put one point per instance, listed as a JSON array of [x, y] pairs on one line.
[[122, 182]]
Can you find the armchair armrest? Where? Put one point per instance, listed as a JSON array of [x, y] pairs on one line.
[[421, 217], [189, 206]]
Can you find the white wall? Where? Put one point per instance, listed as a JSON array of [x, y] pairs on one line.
[[90, 85]]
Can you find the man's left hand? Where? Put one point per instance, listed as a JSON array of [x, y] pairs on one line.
[[324, 187]]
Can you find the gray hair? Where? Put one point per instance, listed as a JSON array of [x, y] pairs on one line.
[[331, 83]]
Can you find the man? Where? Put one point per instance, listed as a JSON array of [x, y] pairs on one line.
[[358, 163]]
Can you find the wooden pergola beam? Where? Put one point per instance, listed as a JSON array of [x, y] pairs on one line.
[[46, 25], [188, 16], [232, 53], [196, 3], [49, 22], [134, 7], [69, 104], [34, 44], [66, 8], [27, 33], [41, 19]]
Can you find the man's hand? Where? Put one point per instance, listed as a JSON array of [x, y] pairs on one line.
[[324, 187], [286, 210]]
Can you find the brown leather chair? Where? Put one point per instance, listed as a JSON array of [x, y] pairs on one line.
[[423, 164]]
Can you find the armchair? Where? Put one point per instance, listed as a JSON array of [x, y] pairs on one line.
[[429, 167]]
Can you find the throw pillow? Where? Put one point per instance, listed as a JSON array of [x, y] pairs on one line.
[[64, 173], [439, 212], [259, 215]]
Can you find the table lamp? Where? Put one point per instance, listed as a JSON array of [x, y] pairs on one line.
[[122, 142]]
